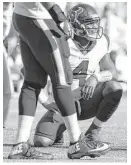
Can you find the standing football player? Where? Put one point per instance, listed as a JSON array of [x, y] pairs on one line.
[[44, 51], [95, 89]]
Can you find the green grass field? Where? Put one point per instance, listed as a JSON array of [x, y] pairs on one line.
[[114, 132]]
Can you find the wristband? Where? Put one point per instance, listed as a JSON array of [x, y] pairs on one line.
[[57, 14], [103, 76], [95, 77]]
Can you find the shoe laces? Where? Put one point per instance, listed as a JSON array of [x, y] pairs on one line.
[[33, 152], [92, 141]]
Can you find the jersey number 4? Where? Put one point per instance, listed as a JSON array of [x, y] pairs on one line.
[[80, 72]]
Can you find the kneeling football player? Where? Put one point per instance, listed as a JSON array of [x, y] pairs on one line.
[[95, 88]]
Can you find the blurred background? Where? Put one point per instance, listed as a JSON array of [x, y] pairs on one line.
[[113, 20]]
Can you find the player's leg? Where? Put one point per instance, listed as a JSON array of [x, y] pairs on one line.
[[111, 95], [60, 74], [53, 59], [45, 51], [85, 109], [27, 106], [30, 90], [88, 109], [50, 128]]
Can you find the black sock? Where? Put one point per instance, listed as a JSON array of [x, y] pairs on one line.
[[93, 129]]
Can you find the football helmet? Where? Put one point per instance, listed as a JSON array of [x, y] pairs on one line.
[[85, 22]]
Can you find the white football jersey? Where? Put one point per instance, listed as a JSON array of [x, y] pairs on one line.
[[86, 64], [78, 61]]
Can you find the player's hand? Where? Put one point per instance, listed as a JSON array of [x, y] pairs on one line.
[[89, 87], [51, 107], [66, 35], [66, 29]]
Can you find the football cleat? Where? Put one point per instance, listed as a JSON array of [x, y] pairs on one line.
[[87, 147], [98, 148], [25, 151]]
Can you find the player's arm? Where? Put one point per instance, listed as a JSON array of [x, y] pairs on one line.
[[107, 68], [46, 98], [43, 98], [107, 73], [47, 5], [69, 31], [55, 11]]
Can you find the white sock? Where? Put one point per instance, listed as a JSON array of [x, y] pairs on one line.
[[24, 128], [73, 128], [97, 122]]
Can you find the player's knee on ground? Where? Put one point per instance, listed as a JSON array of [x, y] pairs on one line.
[[49, 128], [114, 88], [41, 141]]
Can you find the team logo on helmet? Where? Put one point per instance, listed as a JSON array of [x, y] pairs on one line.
[[73, 15]]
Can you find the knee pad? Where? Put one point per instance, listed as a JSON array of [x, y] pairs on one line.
[[31, 87], [41, 141], [113, 87]]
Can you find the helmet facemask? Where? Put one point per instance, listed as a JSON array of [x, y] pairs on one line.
[[91, 28]]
